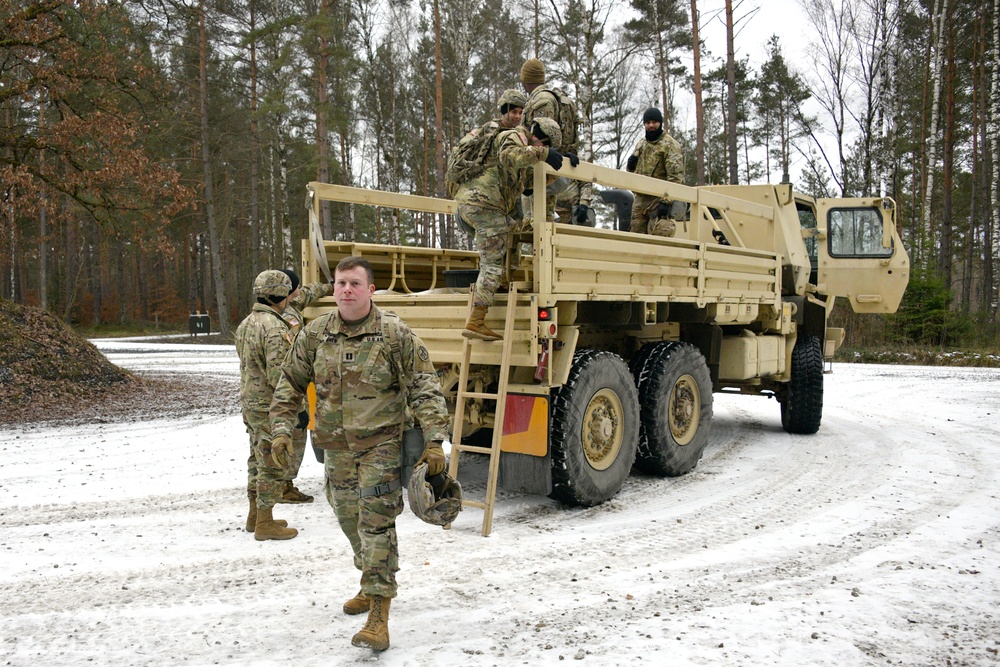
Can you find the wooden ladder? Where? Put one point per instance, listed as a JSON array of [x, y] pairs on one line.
[[463, 394]]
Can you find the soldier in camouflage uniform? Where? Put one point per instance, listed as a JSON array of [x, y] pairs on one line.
[[488, 203], [511, 107], [262, 340], [370, 369], [572, 199], [299, 298], [657, 155]]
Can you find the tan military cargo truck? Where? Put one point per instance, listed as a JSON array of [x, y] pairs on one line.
[[615, 342]]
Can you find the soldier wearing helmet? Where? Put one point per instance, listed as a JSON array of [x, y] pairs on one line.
[[300, 297], [488, 203], [262, 340], [511, 108]]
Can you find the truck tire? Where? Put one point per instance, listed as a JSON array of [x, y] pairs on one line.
[[802, 406], [675, 399], [594, 429]]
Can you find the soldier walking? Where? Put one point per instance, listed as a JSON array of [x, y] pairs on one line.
[[300, 297], [369, 369], [488, 203], [658, 155], [262, 339]]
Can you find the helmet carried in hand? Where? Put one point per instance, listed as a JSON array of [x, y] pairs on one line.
[[436, 500]]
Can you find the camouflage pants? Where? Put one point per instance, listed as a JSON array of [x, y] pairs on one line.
[[370, 522], [492, 240], [263, 477], [645, 220]]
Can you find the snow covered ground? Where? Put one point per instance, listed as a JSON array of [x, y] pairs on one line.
[[874, 542]]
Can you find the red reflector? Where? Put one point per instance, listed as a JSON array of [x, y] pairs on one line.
[[544, 314], [552, 330]]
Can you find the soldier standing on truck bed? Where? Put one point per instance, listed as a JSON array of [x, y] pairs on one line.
[[370, 369], [300, 297], [488, 202], [262, 340], [657, 155], [571, 198]]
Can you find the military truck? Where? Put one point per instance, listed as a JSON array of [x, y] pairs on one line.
[[614, 342]]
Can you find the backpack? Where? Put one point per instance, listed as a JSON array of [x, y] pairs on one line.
[[471, 156], [565, 116]]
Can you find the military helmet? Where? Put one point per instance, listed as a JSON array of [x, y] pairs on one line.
[[272, 283], [436, 500], [550, 129], [512, 97]]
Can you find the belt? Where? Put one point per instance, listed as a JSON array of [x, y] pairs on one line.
[[381, 489]]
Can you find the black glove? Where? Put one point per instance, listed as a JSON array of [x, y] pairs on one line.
[[632, 162], [528, 192], [303, 419], [580, 214], [573, 159], [663, 210], [554, 159]]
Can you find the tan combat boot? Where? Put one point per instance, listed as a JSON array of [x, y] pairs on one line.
[[375, 634], [252, 514], [358, 604], [269, 529], [293, 496], [476, 328]]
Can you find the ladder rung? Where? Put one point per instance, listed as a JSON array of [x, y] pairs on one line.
[[476, 449], [474, 503], [478, 394]]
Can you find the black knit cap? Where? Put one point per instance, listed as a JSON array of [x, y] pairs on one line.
[[294, 277], [652, 113]]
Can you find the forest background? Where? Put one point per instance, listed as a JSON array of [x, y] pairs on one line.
[[154, 153]]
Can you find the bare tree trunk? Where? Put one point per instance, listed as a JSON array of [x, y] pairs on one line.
[[994, 133], [932, 131], [322, 103], [699, 113], [254, 253], [734, 174], [217, 273], [439, 121], [946, 251]]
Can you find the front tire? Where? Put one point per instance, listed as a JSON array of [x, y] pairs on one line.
[[675, 395], [802, 407], [594, 429]]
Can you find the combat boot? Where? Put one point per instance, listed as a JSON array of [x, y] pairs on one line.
[[476, 327], [293, 496], [375, 634], [269, 529], [358, 604], [252, 514]]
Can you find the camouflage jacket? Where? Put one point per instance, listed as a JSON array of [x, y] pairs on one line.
[[660, 159], [543, 103], [307, 294], [360, 400], [499, 187], [262, 340]]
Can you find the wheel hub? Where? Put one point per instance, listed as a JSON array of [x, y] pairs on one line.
[[602, 429], [684, 409]]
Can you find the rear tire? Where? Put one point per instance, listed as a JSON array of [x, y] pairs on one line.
[[802, 406], [675, 398], [594, 429]]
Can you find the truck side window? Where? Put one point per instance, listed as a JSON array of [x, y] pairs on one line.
[[856, 232], [807, 220]]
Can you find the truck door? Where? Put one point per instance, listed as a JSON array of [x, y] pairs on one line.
[[859, 253]]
